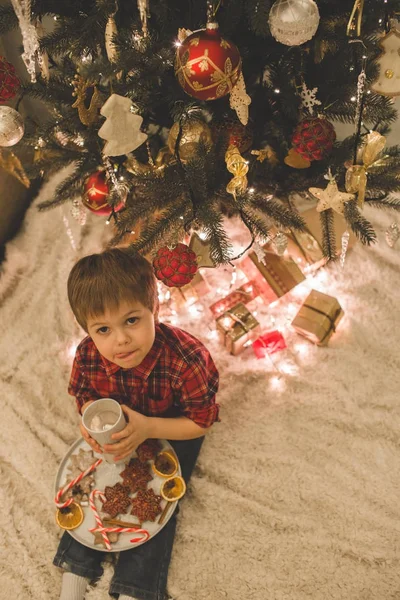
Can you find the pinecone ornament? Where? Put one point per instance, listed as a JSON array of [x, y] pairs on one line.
[[313, 138], [175, 267]]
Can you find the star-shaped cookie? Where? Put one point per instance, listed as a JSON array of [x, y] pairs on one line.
[[331, 197]]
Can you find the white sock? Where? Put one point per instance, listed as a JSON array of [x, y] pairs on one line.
[[73, 587]]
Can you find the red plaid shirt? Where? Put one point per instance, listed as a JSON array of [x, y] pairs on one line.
[[177, 377]]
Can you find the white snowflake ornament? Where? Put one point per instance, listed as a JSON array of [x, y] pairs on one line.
[[259, 252], [308, 97]]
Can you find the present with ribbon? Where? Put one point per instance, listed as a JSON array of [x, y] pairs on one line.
[[318, 317], [269, 343], [237, 328], [245, 293], [279, 274], [369, 159]]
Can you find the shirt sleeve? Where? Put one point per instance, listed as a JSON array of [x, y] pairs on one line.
[[80, 387], [199, 385]]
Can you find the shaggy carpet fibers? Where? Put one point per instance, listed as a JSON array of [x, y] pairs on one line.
[[296, 492]]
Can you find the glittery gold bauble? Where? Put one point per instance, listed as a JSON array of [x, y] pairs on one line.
[[70, 517], [193, 132]]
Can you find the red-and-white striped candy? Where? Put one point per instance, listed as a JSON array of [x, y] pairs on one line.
[[72, 483], [99, 522], [142, 532]]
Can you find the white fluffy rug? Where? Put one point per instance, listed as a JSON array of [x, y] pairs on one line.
[[296, 494]]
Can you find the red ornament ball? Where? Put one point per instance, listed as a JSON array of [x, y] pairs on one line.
[[9, 82], [233, 133], [175, 267], [313, 138], [95, 194], [207, 65]]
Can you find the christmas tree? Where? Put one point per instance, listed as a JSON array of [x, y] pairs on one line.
[[170, 132]]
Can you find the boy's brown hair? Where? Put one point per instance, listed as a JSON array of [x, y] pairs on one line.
[[100, 282]]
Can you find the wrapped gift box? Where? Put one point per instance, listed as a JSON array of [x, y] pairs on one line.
[[237, 327], [192, 292], [318, 317], [276, 275], [269, 343], [245, 293]]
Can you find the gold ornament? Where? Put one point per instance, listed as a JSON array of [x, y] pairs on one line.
[[389, 73], [202, 250], [356, 175], [266, 153], [331, 197], [87, 116], [12, 165], [295, 160], [354, 24], [237, 165], [193, 132]]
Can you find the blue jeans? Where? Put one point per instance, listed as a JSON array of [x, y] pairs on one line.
[[141, 572]]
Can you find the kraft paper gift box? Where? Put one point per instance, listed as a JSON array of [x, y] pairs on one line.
[[190, 293], [237, 327], [275, 276], [318, 317]]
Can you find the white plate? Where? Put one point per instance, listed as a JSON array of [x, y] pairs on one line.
[[108, 474]]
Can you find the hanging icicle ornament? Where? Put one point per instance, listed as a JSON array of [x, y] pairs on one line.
[[30, 38], [392, 234], [78, 212], [280, 243], [345, 245], [143, 6], [110, 32]]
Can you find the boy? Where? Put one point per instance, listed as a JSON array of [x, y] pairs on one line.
[[165, 380]]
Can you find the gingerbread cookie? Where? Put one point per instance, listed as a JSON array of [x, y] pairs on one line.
[[117, 500], [136, 475], [148, 449], [146, 506], [82, 461]]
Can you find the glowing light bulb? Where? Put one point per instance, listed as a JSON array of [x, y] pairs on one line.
[[178, 43]]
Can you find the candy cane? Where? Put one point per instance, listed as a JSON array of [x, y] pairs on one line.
[[99, 522], [72, 483], [143, 532]]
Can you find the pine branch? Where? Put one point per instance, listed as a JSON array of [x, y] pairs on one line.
[[359, 224], [384, 203], [8, 19], [276, 211], [328, 234]]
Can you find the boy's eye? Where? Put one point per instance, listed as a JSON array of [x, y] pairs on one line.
[[102, 329], [131, 320]]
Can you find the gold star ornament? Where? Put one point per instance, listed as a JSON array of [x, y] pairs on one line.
[[331, 197]]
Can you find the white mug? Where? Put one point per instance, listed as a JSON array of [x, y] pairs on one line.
[[101, 419]]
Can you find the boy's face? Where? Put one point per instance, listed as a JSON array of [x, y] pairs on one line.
[[125, 335]]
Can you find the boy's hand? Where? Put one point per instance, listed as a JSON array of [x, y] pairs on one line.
[[92, 443], [136, 431]]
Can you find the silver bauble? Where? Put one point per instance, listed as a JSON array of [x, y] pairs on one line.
[[11, 126], [293, 22]]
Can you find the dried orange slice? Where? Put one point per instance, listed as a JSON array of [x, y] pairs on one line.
[[70, 517], [173, 488], [165, 464]]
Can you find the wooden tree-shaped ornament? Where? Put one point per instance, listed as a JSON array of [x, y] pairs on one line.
[[388, 82], [122, 127]]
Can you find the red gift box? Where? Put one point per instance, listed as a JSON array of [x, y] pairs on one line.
[[245, 293], [269, 343]]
